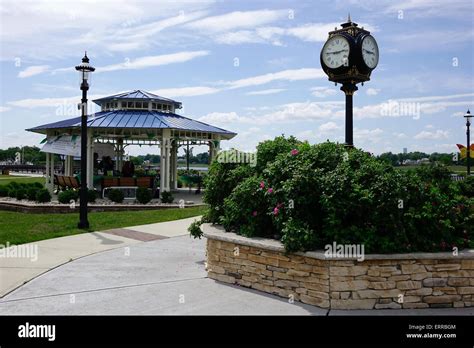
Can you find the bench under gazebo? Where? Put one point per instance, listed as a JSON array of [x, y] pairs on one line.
[[131, 118]]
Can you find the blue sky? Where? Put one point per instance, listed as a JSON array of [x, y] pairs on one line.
[[251, 67]]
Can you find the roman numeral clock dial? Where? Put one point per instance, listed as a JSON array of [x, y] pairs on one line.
[[336, 52], [370, 51]]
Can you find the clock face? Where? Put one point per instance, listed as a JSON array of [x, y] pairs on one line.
[[336, 52], [370, 51]]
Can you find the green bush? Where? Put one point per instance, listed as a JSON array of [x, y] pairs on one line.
[[140, 172], [143, 195], [43, 196], [167, 197], [3, 191], [219, 183], [195, 229], [36, 185], [116, 195], [20, 194], [245, 209], [66, 196], [466, 186], [310, 196], [13, 184], [268, 150], [91, 195], [12, 192], [31, 193]]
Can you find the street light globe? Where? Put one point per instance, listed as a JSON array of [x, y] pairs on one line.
[[85, 70]]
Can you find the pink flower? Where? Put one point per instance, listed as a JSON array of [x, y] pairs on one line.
[[276, 210], [254, 213], [294, 152], [270, 190], [262, 184]]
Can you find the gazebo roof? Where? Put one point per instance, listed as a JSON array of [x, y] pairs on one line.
[[135, 119], [137, 95]]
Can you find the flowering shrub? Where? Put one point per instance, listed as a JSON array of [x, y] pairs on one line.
[[245, 210], [219, 183], [312, 195]]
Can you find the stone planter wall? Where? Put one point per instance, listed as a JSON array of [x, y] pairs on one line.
[[52, 208], [396, 281]]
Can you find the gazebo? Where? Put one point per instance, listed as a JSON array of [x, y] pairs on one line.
[[131, 118]]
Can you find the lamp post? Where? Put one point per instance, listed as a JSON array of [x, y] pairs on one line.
[[468, 135], [85, 69]]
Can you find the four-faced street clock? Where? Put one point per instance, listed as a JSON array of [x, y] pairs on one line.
[[348, 57]]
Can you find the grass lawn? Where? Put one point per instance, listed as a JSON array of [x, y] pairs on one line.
[[5, 179], [18, 228]]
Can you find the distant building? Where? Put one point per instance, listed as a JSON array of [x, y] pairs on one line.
[[405, 150]]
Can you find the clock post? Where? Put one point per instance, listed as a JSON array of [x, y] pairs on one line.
[[348, 57], [349, 90]]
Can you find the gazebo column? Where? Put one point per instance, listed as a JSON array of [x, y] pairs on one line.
[[90, 159], [214, 147], [119, 155], [51, 167], [174, 166], [68, 166], [48, 184], [71, 165], [165, 161]]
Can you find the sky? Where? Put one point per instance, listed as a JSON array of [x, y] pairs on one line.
[[251, 67]]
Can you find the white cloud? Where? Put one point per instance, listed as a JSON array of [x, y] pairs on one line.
[[31, 103], [318, 32], [329, 127], [237, 20], [322, 92], [458, 114], [285, 75], [372, 91], [368, 135], [61, 30], [399, 135], [310, 32], [238, 37], [437, 97], [33, 70], [285, 113], [150, 61], [438, 134], [4, 108], [221, 118], [186, 91], [430, 8], [267, 91]]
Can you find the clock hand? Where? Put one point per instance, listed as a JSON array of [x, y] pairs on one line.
[[337, 52]]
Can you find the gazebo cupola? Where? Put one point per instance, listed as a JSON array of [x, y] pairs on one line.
[[137, 100]]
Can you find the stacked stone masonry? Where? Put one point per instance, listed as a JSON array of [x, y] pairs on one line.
[[383, 283]]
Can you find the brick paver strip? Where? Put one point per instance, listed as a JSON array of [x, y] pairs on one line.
[[141, 236]]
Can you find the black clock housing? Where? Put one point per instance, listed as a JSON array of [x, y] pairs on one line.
[[356, 70]]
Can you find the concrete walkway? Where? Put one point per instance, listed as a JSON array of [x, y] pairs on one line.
[[143, 270], [57, 251]]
